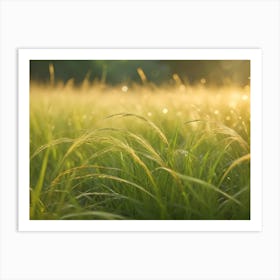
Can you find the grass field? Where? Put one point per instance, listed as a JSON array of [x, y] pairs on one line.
[[141, 153]]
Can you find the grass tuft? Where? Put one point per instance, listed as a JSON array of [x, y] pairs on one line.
[[181, 155]]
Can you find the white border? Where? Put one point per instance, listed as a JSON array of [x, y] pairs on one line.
[[254, 55]]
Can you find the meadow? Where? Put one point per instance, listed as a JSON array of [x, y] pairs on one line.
[[140, 152]]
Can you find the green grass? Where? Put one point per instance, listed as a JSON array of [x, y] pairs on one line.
[[165, 153]]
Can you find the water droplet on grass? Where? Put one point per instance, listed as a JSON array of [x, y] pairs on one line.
[[124, 88], [203, 81]]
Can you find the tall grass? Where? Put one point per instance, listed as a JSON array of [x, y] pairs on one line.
[[141, 153]]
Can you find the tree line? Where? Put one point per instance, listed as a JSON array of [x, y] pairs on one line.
[[112, 72]]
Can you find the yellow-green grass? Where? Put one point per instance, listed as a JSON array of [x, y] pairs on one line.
[[99, 152]]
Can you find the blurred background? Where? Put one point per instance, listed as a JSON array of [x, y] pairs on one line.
[[158, 72]]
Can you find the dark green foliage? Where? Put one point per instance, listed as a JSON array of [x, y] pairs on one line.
[[216, 72]]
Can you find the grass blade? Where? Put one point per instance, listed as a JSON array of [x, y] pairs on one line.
[[235, 163], [202, 183]]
